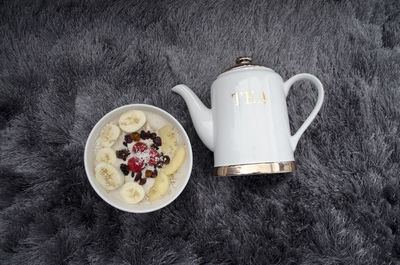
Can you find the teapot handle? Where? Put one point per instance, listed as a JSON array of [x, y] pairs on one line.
[[286, 86]]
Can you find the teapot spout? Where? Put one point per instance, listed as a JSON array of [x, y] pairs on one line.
[[201, 115]]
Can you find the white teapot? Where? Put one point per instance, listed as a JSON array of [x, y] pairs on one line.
[[247, 126]]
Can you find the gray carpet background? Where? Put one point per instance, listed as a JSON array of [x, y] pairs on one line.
[[64, 64]]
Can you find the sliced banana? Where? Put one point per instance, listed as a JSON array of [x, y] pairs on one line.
[[108, 176], [132, 120], [168, 140], [109, 134], [159, 188], [132, 192], [176, 161], [106, 155]]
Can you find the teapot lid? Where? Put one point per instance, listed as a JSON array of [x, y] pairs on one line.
[[241, 62]]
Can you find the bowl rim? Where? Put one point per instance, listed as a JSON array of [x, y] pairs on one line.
[[92, 178]]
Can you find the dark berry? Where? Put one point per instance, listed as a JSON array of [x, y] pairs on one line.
[[148, 173], [155, 173], [153, 135], [124, 143], [122, 154], [157, 141], [154, 146], [159, 164], [148, 135], [144, 135], [166, 160], [124, 168], [128, 139], [142, 181], [138, 176], [135, 136]]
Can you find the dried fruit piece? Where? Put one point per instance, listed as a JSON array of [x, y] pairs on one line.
[[153, 135], [148, 173], [128, 139], [157, 141], [142, 181], [154, 146], [166, 159], [145, 135], [155, 173], [135, 136], [125, 169], [122, 154], [138, 176]]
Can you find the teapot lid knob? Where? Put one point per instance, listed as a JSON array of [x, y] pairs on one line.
[[243, 60]]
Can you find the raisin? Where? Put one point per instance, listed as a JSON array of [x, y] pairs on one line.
[[122, 154], [166, 160], [148, 173], [155, 173], [142, 134], [135, 136], [128, 139], [154, 146], [159, 164], [138, 176], [157, 141], [153, 135], [124, 168], [124, 143], [142, 181]]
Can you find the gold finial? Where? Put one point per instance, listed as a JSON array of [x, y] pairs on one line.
[[243, 60]]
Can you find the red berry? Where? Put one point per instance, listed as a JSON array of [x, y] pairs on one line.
[[135, 164], [139, 147], [154, 157]]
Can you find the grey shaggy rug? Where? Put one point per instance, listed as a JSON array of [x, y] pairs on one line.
[[64, 64]]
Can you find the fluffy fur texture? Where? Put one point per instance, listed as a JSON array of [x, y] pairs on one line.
[[64, 64]]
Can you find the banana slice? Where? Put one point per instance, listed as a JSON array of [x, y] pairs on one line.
[[106, 155], [132, 121], [176, 162], [168, 140], [108, 176], [109, 134], [132, 192], [160, 187]]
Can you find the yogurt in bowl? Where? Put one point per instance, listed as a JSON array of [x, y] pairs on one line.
[[138, 158]]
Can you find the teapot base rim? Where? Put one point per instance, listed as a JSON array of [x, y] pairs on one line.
[[255, 169]]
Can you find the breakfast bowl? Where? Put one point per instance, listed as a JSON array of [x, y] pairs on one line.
[[138, 158]]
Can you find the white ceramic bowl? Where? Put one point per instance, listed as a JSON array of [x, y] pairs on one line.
[[181, 177]]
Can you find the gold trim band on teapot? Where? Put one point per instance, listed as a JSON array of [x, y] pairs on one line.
[[256, 169]]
